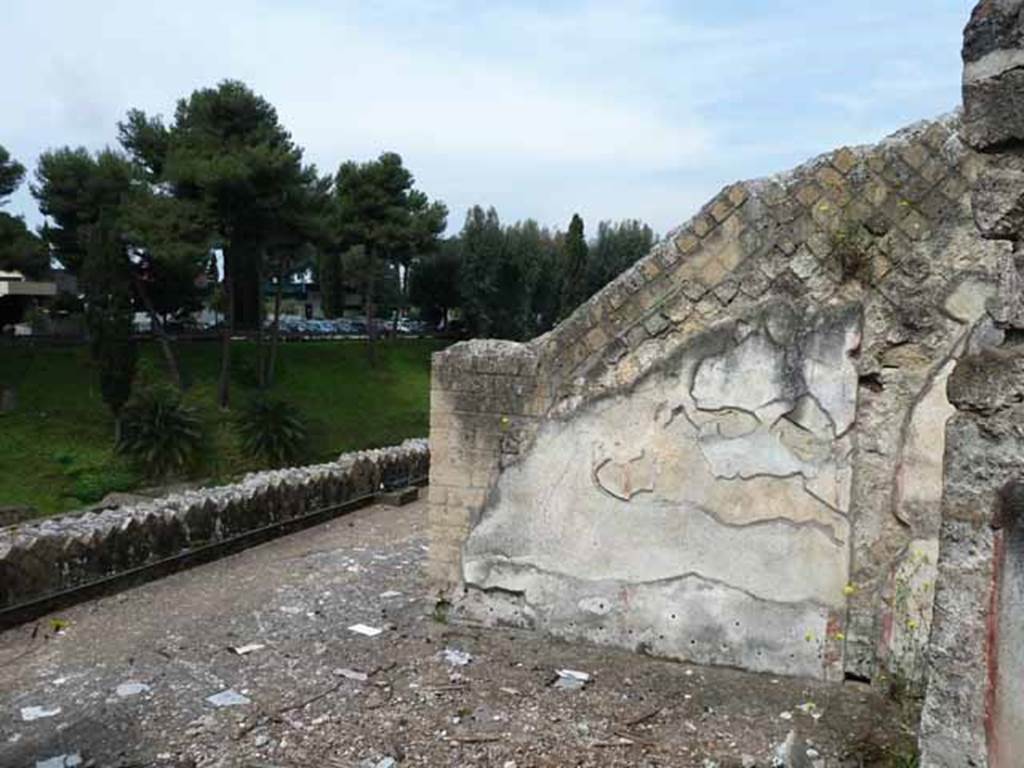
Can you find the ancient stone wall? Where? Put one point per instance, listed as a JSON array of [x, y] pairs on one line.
[[974, 685], [733, 453], [42, 558], [974, 708]]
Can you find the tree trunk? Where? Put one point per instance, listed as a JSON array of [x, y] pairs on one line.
[[246, 291], [275, 331], [261, 371], [161, 334], [8, 398], [401, 296], [371, 349], [227, 329]]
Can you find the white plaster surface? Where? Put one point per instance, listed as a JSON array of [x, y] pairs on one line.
[[709, 526]]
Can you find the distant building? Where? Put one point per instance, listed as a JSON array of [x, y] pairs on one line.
[[18, 294]]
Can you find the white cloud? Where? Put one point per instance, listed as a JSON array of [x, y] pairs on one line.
[[609, 109]]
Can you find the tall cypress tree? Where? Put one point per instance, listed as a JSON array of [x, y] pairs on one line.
[[106, 280], [574, 285]]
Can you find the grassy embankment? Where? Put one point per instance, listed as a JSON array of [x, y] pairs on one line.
[[56, 449]]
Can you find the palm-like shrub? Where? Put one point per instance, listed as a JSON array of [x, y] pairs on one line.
[[273, 431], [160, 434]]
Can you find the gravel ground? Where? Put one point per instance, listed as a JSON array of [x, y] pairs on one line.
[[131, 676]]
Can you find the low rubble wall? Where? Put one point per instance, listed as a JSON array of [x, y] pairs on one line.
[[48, 557]]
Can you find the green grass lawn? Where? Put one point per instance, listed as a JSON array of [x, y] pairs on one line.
[[56, 449]]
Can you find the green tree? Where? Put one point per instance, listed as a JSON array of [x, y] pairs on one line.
[[515, 277], [11, 175], [547, 284], [575, 271], [378, 209], [434, 282], [331, 277], [617, 247], [302, 229], [509, 277], [482, 243], [170, 253], [106, 280], [75, 189], [20, 249], [227, 151], [163, 242]]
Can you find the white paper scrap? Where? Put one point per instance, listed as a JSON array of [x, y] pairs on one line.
[[365, 629]]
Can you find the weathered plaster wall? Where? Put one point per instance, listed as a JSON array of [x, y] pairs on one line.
[[733, 452], [42, 558]]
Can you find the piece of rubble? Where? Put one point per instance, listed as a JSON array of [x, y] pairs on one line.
[[399, 497], [365, 629], [571, 679], [456, 658], [228, 698], [792, 753], [384, 762], [242, 650], [131, 688], [28, 714], [352, 674], [61, 761]]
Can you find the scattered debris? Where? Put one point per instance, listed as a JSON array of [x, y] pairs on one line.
[[131, 688], [570, 679], [384, 762], [807, 707], [292, 610], [456, 658], [365, 629], [620, 741], [785, 716], [60, 761], [390, 593], [352, 674], [643, 717], [476, 739], [792, 753], [242, 650], [228, 698], [28, 714]]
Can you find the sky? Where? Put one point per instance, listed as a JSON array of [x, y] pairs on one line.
[[614, 110]]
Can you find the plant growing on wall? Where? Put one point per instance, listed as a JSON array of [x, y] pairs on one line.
[[851, 245]]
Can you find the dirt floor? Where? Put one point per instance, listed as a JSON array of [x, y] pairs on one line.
[[125, 680]]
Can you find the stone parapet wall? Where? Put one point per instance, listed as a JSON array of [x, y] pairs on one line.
[[625, 463], [46, 557]]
